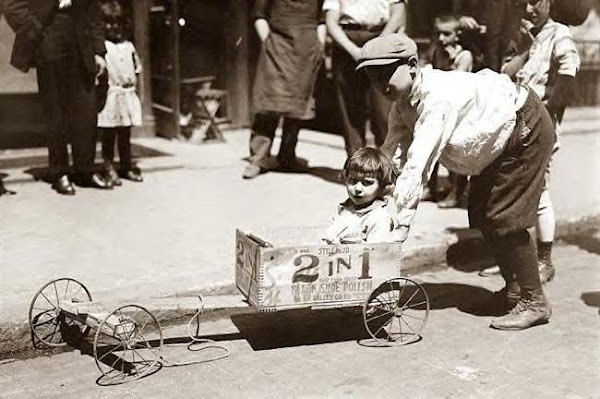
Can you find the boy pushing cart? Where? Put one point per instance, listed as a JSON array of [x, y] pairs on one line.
[[482, 125]]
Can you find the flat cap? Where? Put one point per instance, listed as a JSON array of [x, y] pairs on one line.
[[386, 49]]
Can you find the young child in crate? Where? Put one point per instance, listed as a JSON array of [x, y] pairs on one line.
[[478, 124], [365, 216], [447, 53], [122, 108]]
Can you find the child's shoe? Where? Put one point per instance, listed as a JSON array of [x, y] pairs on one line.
[[132, 174], [112, 176]]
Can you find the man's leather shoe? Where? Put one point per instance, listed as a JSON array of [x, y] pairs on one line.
[[95, 180], [63, 185]]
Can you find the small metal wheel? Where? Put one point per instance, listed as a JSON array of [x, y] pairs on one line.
[[48, 324], [127, 345], [396, 312]]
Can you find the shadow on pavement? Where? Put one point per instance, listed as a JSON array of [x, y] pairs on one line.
[[328, 174], [300, 327], [470, 253], [3, 190], [591, 299]]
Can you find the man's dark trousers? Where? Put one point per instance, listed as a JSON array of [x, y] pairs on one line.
[[356, 96], [67, 92], [68, 99]]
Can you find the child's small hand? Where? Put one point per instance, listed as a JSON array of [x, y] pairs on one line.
[[401, 234], [100, 64]]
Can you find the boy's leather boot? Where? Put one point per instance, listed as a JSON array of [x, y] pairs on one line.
[[547, 271], [531, 310]]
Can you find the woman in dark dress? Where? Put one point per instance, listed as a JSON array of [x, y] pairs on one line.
[[292, 38]]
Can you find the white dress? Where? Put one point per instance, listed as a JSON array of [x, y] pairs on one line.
[[123, 107]]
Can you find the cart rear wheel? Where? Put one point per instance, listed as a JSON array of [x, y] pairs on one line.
[[396, 312], [47, 323], [127, 345]]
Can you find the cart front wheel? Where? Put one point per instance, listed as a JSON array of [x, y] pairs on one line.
[[396, 312], [48, 324], [127, 345]]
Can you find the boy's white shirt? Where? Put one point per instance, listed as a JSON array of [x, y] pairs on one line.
[[462, 119], [552, 52], [372, 224], [64, 3]]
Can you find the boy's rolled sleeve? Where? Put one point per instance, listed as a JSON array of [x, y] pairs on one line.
[[432, 131], [565, 52]]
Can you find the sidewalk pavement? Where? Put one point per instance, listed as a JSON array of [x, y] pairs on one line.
[[162, 242]]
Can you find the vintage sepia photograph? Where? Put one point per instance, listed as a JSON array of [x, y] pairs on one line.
[[299, 199]]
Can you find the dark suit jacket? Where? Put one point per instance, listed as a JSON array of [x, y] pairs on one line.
[[33, 19]]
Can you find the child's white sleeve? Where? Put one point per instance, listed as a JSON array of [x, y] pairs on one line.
[[565, 52], [398, 139], [432, 131]]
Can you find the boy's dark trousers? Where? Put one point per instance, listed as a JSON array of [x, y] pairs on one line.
[[123, 138], [354, 91], [504, 197]]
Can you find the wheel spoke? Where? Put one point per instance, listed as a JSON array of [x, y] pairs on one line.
[[45, 297], [76, 292], [411, 316], [44, 322], [142, 327], [112, 366], [378, 316], [53, 333], [45, 310], [379, 308], [402, 290], [139, 355], [410, 299], [412, 305], [67, 289], [109, 352], [148, 345], [409, 326], [56, 293], [380, 328]]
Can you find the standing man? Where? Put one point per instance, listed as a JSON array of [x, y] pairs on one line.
[[64, 41], [351, 23]]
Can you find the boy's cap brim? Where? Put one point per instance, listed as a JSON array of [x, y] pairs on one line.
[[377, 62], [384, 50]]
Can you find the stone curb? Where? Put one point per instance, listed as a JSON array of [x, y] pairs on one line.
[[223, 300]]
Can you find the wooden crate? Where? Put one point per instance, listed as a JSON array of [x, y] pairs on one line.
[[316, 276]]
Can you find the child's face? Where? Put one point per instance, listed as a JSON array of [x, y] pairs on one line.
[[447, 33], [363, 189], [538, 12], [113, 30], [395, 82]]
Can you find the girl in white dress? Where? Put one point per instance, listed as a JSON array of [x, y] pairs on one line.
[[122, 108]]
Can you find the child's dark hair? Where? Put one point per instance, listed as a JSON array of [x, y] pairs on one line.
[[371, 162], [112, 11], [446, 17]]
